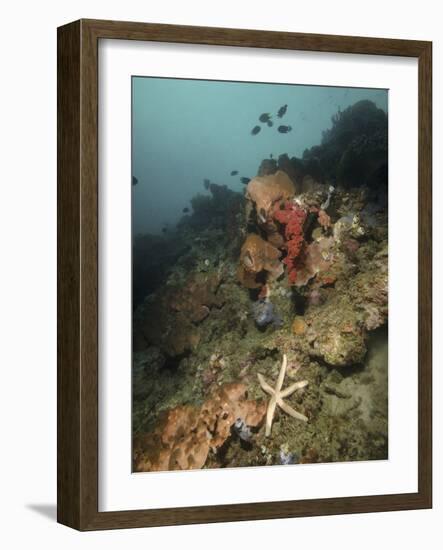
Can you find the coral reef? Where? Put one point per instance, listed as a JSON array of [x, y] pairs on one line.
[[267, 192], [318, 258], [299, 326], [297, 266], [293, 218], [170, 317], [185, 434], [180, 442], [217, 209], [354, 151], [258, 258]]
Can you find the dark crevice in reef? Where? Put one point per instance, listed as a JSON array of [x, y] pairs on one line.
[[172, 364]]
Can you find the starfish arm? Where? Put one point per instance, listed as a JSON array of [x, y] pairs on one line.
[[281, 376], [292, 388], [265, 386], [270, 415], [289, 410]]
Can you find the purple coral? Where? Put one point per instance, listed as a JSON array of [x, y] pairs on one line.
[[242, 430], [287, 458], [265, 314]]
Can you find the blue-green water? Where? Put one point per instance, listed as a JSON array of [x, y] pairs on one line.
[[187, 130]]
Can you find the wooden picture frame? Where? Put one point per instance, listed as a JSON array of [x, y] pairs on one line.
[[77, 480]]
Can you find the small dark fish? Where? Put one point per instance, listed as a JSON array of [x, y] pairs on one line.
[[164, 230], [185, 210], [245, 180], [271, 156], [206, 183], [265, 117], [134, 180], [255, 130], [270, 123], [234, 172], [284, 129], [282, 111]]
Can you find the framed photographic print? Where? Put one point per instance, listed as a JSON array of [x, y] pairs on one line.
[[244, 274]]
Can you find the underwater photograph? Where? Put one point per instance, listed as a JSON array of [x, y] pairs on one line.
[[259, 274]]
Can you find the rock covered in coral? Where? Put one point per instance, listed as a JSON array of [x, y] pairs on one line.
[[267, 167], [197, 296], [287, 226], [348, 226], [334, 334], [318, 258], [170, 319], [354, 150], [338, 323], [218, 208], [340, 346], [266, 192], [258, 258], [293, 168], [179, 442], [369, 291], [225, 406], [146, 367], [185, 434]]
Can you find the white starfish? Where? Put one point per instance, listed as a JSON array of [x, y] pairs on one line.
[[277, 396]]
